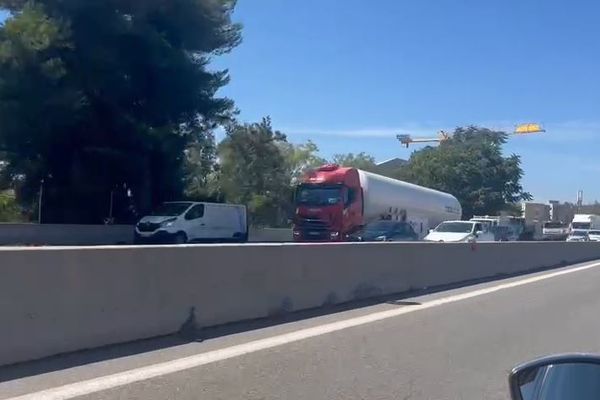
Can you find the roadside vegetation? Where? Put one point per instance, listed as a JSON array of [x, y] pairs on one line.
[[115, 103]]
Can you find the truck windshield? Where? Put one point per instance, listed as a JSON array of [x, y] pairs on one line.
[[554, 225], [318, 196], [581, 225], [171, 209], [579, 233], [455, 227]]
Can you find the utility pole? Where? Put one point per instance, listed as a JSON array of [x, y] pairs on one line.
[[40, 199]]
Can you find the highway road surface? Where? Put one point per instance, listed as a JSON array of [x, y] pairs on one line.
[[458, 343]]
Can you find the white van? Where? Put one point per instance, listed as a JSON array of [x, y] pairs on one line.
[[186, 221]]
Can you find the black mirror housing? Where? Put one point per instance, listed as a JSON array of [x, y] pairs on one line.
[[575, 376]]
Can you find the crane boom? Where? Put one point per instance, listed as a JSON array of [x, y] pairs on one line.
[[521, 129]]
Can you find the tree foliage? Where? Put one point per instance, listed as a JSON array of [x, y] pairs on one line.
[[202, 172], [254, 171], [9, 209], [95, 94], [470, 166], [361, 160], [301, 158]]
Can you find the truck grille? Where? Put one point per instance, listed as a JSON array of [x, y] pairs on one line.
[[313, 229], [148, 226], [310, 223]]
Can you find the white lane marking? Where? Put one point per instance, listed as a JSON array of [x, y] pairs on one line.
[[165, 368]]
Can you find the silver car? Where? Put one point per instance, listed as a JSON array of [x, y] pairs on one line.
[[594, 236], [578, 236]]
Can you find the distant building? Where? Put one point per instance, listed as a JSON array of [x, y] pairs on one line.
[[390, 166], [535, 212], [562, 212], [589, 209]]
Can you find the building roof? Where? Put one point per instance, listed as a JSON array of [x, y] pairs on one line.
[[391, 165]]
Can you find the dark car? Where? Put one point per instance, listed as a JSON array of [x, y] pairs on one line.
[[386, 231]]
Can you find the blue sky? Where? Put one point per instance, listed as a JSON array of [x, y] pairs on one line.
[[350, 75]]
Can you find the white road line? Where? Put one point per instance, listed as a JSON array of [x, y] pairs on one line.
[[152, 371]]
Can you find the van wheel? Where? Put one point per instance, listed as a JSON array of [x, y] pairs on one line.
[[240, 237], [180, 238]]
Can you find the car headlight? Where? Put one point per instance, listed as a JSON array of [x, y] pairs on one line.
[[167, 223]]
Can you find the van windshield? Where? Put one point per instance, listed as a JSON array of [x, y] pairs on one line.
[[171, 209], [455, 227]]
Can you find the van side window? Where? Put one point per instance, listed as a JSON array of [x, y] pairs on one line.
[[195, 212], [478, 227]]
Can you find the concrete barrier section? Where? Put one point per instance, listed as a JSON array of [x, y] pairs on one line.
[[56, 300], [94, 235], [270, 235], [64, 235]]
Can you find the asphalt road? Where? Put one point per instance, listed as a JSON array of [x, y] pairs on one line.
[[456, 350]]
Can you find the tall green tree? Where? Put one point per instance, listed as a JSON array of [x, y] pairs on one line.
[[361, 160], [254, 171], [202, 172], [470, 166], [9, 209], [96, 94], [301, 158]]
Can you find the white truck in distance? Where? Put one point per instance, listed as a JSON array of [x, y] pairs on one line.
[[460, 231], [501, 226], [555, 231], [585, 222]]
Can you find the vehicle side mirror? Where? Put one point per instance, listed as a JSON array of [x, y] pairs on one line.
[[575, 376], [350, 197]]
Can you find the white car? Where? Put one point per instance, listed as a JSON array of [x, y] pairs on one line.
[[460, 231], [594, 236], [186, 221], [578, 235]]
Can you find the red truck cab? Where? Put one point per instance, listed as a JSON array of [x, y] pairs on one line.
[[329, 205]]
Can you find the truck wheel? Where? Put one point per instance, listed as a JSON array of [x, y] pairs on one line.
[[180, 238]]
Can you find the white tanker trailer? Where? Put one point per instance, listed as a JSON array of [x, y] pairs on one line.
[[334, 202]]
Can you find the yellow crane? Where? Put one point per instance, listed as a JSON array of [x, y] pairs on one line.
[[521, 129]]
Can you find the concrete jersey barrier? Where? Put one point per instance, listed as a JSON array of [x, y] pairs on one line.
[[64, 235], [94, 235], [270, 235], [57, 300]]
